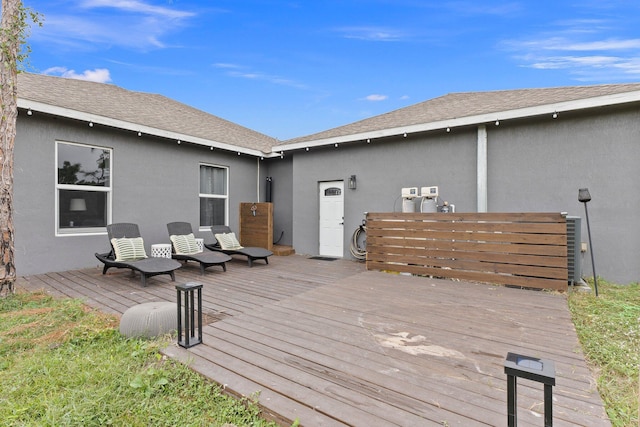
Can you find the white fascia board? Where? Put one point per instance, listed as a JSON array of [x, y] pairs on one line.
[[133, 127], [559, 107]]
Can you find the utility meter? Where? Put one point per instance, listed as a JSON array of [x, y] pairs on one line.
[[409, 192], [430, 192]]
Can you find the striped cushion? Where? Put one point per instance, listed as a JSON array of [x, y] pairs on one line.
[[128, 249], [185, 244], [228, 241]]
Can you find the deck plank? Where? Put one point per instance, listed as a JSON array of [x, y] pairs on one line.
[[331, 344]]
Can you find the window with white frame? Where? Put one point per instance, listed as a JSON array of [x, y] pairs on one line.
[[83, 188], [214, 196]]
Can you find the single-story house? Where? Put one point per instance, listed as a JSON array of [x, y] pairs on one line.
[[114, 155]]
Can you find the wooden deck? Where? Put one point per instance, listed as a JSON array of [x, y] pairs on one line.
[[331, 344]]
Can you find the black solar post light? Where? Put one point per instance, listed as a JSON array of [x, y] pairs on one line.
[[585, 197], [187, 312]]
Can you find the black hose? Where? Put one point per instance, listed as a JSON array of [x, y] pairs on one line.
[[279, 238], [359, 253]]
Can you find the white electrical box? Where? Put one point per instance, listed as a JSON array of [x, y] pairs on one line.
[[430, 192], [409, 192]]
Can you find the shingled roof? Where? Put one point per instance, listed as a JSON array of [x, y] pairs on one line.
[[158, 115], [472, 108], [150, 113]]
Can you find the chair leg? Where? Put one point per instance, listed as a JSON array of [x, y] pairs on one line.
[[143, 278], [173, 276], [201, 269], [224, 266], [250, 262]]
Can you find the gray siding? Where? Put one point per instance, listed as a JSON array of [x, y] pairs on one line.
[[540, 167], [154, 182], [382, 169], [533, 165]]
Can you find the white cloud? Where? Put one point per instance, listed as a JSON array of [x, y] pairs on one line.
[[227, 65], [588, 49], [137, 7], [132, 24], [375, 97], [99, 75], [379, 34], [235, 70], [477, 8]]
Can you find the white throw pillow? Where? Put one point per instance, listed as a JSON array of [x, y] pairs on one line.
[[185, 244], [128, 249], [228, 241]]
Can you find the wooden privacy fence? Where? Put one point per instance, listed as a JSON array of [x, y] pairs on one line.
[[521, 249]]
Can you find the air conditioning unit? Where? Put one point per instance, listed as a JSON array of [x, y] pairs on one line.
[[574, 256]]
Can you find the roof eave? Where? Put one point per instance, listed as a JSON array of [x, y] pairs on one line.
[[540, 110], [133, 127]]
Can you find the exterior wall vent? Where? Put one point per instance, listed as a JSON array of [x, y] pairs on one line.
[[574, 241]]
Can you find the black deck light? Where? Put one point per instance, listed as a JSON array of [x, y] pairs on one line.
[[585, 197], [187, 312], [534, 369]]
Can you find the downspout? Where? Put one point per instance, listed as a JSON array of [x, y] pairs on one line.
[[258, 181], [482, 169]]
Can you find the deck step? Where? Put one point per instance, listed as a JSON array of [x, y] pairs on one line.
[[283, 250]]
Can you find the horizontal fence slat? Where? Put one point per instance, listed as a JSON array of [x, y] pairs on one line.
[[475, 265], [526, 282], [451, 245], [532, 227], [471, 216], [504, 258], [522, 249], [470, 236]]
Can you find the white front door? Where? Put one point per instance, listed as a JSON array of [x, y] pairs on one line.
[[332, 218]]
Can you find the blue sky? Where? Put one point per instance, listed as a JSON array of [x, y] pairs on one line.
[[292, 68]]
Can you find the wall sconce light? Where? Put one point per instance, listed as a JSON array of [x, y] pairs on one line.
[[555, 115], [29, 112], [448, 130], [307, 149], [211, 148], [404, 135], [335, 145], [497, 122], [368, 140], [585, 197], [179, 142], [90, 124], [352, 184], [139, 133]]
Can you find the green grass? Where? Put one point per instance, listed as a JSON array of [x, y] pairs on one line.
[[608, 327], [62, 364]]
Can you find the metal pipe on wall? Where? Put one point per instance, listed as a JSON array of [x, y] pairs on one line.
[[269, 190]]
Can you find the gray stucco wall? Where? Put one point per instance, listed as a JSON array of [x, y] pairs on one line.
[[154, 182], [536, 165], [382, 169], [281, 172], [533, 166], [540, 167]]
